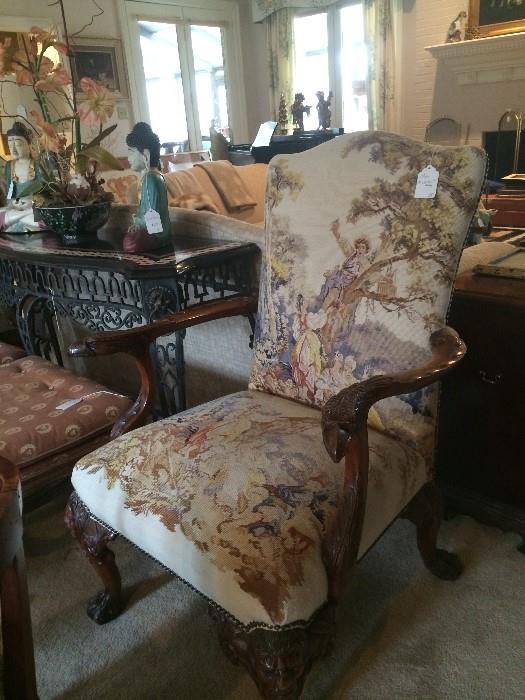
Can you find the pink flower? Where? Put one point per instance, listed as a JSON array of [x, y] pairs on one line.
[[43, 36], [55, 80], [49, 138], [99, 104], [24, 73]]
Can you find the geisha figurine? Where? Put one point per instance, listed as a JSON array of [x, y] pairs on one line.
[[17, 215], [151, 226]]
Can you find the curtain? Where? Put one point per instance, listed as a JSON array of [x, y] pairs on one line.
[[281, 56], [380, 39], [261, 9]]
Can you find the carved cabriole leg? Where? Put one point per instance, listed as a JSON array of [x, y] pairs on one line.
[[425, 511], [94, 538], [277, 661]]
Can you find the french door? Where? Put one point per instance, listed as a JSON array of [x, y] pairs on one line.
[[187, 71]]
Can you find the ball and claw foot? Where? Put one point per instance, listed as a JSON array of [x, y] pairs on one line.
[[103, 608], [445, 565]]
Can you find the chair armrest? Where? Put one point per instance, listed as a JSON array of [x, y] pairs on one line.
[[346, 413], [137, 339], [136, 342]]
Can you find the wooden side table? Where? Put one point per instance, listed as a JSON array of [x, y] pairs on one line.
[[19, 661], [481, 443]]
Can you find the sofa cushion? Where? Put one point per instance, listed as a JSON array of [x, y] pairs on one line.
[[44, 408], [8, 353], [235, 496]]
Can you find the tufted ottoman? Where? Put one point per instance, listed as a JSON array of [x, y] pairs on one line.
[[8, 353], [49, 417]]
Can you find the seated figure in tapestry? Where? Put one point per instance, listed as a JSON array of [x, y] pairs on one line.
[[151, 228], [20, 174]]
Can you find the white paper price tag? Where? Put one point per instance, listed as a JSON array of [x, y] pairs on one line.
[[11, 191], [153, 222], [427, 182]]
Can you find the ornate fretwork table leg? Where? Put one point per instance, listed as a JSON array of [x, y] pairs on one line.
[[425, 511], [94, 538], [277, 661]]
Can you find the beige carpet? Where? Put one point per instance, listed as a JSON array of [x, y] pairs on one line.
[[402, 633]]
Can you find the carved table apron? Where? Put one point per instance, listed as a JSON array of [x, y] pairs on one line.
[[103, 288]]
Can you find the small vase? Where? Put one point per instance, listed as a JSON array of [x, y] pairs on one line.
[[74, 223]]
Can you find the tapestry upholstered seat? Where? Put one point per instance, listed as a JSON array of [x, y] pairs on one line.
[[262, 500]]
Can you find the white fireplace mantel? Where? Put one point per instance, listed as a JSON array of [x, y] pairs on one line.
[[489, 60]]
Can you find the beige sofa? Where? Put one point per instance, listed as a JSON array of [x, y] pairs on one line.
[[218, 187]]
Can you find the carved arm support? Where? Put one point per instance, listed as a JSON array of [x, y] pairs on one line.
[[346, 412], [345, 434], [136, 342]]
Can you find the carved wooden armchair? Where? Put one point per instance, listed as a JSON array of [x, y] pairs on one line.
[[264, 499]]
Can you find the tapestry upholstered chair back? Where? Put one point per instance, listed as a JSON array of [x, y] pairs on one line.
[[358, 269]]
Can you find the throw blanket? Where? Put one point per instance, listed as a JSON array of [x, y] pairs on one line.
[[185, 191], [228, 184]]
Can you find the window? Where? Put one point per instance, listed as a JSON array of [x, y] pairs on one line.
[[159, 45], [185, 69], [331, 55]]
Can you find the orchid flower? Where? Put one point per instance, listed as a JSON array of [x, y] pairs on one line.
[[49, 138], [55, 80], [99, 104]]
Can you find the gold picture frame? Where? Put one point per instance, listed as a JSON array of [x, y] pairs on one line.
[[495, 17], [102, 60]]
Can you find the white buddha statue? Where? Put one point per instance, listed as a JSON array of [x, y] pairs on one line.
[[17, 215]]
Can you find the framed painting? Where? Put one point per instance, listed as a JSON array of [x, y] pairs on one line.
[[101, 60], [496, 17]]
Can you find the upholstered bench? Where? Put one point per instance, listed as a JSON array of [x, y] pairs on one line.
[[49, 417], [8, 353]]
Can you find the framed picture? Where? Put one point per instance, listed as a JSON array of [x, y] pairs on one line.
[[101, 60], [495, 17]]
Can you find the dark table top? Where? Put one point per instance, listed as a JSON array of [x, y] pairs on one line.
[[105, 251]]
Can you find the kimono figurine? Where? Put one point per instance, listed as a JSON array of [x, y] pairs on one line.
[[151, 228]]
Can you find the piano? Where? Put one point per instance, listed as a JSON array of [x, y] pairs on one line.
[[277, 144]]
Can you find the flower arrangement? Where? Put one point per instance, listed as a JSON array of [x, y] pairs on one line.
[[67, 168]]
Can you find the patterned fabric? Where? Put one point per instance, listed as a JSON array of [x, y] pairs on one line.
[[44, 408], [358, 272], [262, 9], [235, 497], [8, 353], [280, 41], [381, 39]]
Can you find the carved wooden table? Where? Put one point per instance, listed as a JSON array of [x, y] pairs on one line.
[[481, 444], [103, 288]]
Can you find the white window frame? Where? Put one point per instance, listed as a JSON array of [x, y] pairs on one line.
[[183, 14], [335, 73]]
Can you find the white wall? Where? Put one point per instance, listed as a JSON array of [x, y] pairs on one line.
[[430, 89], [256, 69]]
